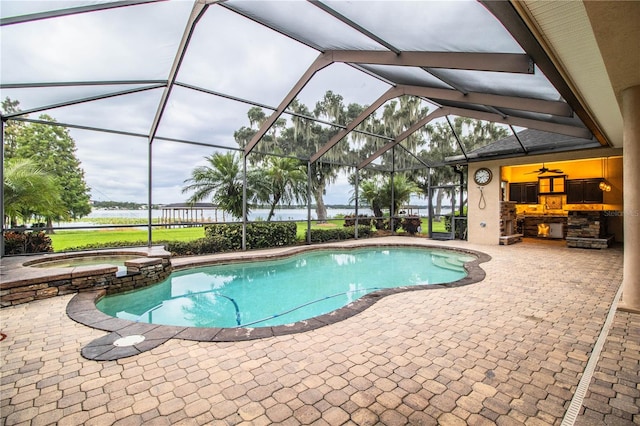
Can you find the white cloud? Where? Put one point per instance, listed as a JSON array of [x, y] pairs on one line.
[[228, 54]]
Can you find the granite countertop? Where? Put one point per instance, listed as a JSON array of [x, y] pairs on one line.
[[542, 215]]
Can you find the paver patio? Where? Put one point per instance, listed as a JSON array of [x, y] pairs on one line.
[[508, 350]]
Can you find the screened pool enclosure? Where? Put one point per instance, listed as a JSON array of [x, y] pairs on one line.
[[354, 91]]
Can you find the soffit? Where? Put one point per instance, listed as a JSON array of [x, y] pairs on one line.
[[590, 53], [616, 26]]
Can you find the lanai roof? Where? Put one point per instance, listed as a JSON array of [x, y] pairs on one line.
[[527, 141], [183, 71]]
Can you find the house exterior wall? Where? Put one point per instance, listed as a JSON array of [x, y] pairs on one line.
[[484, 207]]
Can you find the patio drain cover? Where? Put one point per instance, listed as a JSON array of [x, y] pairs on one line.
[[129, 340]]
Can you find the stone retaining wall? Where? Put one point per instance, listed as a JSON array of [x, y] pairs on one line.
[[140, 272]]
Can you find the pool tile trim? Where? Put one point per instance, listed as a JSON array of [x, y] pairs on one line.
[[82, 307]]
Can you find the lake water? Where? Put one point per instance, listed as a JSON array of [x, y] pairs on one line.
[[256, 214]]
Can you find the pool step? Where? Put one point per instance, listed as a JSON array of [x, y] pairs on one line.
[[451, 262]]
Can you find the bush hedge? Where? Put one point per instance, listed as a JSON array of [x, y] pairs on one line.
[[259, 234], [338, 234], [113, 244], [206, 245]]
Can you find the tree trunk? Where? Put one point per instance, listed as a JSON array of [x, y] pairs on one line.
[[49, 227], [377, 211], [321, 209], [439, 197], [276, 200]]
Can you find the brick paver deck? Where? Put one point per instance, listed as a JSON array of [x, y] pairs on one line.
[[509, 350]]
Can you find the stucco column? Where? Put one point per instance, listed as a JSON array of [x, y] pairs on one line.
[[631, 175]]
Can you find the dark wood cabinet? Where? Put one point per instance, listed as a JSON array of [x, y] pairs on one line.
[[552, 185], [524, 193], [592, 192], [584, 191]]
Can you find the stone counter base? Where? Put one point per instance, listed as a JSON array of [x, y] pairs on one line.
[[591, 243], [510, 239]]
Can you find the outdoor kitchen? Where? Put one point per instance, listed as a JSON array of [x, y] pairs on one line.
[[576, 201]]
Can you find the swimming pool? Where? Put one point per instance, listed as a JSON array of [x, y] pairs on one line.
[[284, 291]]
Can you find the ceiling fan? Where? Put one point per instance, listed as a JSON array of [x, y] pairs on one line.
[[544, 169]]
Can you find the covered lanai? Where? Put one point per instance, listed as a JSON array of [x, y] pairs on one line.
[[147, 89], [163, 93]]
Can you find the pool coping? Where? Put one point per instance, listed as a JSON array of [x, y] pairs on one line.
[[82, 307]]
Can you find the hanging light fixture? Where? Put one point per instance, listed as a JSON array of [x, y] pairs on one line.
[[604, 185]]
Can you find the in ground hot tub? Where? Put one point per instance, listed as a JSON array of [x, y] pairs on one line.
[[84, 260], [57, 274]]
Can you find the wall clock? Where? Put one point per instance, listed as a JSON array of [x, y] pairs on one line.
[[482, 176]]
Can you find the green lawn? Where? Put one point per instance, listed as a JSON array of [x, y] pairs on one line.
[[65, 240]]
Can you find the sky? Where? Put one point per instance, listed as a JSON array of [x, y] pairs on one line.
[[125, 44], [227, 54]]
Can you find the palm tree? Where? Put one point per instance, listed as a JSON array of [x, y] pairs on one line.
[[377, 194], [370, 195], [284, 180], [221, 180], [403, 189], [30, 191]]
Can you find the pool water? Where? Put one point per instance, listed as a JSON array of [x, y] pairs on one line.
[[116, 260], [270, 293]]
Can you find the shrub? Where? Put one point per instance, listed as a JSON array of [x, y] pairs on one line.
[[363, 220], [461, 225], [384, 224], [111, 244], [26, 242], [206, 245], [265, 234], [338, 234], [397, 223], [259, 234], [411, 224]]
